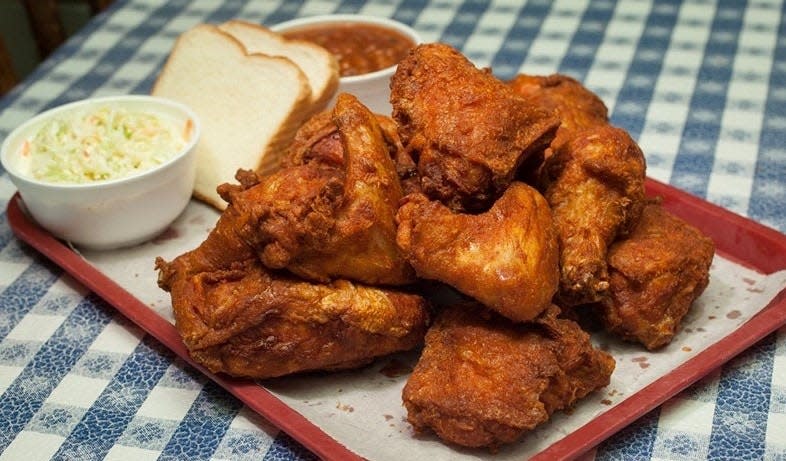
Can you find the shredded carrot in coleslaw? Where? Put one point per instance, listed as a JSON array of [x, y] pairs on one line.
[[104, 144]]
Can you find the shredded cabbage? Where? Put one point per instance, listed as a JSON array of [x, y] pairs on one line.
[[107, 143]]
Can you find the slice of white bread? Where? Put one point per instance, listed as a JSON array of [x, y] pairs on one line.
[[249, 105], [319, 65]]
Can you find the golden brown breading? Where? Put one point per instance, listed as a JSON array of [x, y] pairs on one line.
[[231, 239], [317, 140], [324, 222], [467, 130], [655, 274], [595, 187], [322, 219], [577, 107], [483, 381], [245, 321], [506, 258]]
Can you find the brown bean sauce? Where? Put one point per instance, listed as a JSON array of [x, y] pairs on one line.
[[359, 48]]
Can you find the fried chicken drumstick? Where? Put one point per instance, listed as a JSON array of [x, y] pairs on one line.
[[595, 186], [506, 258], [593, 178], [467, 130], [483, 381]]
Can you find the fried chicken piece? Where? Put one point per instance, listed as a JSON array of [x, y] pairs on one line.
[[245, 321], [225, 243], [577, 107], [655, 275], [232, 240], [506, 258], [238, 317], [483, 381], [321, 221], [595, 187], [467, 130], [319, 140]]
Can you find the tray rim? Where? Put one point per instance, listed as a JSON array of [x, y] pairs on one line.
[[769, 255]]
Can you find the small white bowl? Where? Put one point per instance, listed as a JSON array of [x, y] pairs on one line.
[[112, 213], [372, 89]]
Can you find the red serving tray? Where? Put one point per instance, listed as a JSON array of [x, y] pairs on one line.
[[737, 238]]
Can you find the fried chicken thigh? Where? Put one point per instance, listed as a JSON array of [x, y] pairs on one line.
[[467, 130], [483, 381], [246, 321], [506, 258], [595, 187], [655, 275]]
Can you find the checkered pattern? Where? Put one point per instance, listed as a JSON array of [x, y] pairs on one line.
[[700, 84]]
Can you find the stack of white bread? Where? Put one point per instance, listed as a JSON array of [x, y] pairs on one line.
[[251, 89]]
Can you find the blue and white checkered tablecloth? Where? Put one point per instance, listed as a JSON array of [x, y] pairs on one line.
[[700, 84]]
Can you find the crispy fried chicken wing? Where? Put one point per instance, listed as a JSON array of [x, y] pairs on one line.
[[656, 273], [467, 130], [246, 321], [506, 258], [483, 381], [595, 187]]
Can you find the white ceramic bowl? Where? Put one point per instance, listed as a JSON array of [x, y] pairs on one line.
[[372, 89], [111, 213]]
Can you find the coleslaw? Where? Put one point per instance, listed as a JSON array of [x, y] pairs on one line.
[[103, 144]]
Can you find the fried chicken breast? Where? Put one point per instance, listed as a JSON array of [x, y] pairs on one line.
[[246, 321], [322, 218]]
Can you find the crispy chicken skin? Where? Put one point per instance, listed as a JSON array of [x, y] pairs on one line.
[[595, 187], [577, 107], [483, 381], [655, 274], [506, 258], [316, 141], [323, 221], [467, 130], [322, 218], [226, 244], [319, 140], [246, 321]]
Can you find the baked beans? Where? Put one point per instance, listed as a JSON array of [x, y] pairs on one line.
[[359, 48]]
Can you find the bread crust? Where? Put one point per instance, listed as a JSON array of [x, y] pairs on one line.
[[250, 104], [323, 78]]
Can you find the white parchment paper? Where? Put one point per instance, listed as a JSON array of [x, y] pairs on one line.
[[362, 409]]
